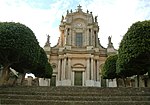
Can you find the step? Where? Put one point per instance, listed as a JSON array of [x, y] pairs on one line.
[[77, 98], [74, 96], [73, 93], [46, 102], [78, 89]]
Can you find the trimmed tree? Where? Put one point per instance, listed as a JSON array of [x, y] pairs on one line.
[[109, 68], [43, 68], [134, 51], [18, 45], [48, 71]]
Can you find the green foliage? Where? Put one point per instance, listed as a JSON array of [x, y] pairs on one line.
[[48, 71], [20, 50], [43, 68], [134, 50], [18, 45], [109, 68]]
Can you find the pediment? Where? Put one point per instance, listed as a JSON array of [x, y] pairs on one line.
[[78, 65]]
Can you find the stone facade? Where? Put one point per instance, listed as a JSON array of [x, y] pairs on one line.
[[77, 57]]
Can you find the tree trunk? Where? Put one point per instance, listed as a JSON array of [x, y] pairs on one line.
[[23, 78], [5, 75], [124, 81]]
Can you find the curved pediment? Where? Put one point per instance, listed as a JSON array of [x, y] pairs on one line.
[[78, 65]]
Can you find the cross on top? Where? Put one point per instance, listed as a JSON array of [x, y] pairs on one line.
[[79, 8]]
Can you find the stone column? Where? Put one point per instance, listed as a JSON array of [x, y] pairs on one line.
[[62, 37], [73, 39], [58, 71], [69, 68], [98, 71], [97, 41], [87, 37], [69, 37], [90, 38], [92, 70], [83, 78], [72, 78], [64, 68], [88, 69]]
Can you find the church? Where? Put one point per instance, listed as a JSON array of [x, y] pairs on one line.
[[78, 55]]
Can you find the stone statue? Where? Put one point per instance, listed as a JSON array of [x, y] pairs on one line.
[[109, 39], [67, 11], [96, 18], [87, 11], [48, 39], [62, 18]]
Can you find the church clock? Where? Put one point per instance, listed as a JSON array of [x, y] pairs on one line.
[[78, 25]]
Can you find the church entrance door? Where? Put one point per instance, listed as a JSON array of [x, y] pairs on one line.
[[78, 78]]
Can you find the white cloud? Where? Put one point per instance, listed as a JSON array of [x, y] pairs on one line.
[[39, 20], [114, 16]]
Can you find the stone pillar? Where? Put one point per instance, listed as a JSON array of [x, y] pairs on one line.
[[70, 37], [67, 36], [90, 37], [87, 37], [90, 78], [58, 71], [97, 82], [88, 69], [98, 71], [62, 38], [64, 69], [83, 78], [92, 69], [72, 78], [69, 68], [97, 41], [73, 39]]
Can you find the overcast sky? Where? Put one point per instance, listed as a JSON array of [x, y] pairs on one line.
[[44, 16]]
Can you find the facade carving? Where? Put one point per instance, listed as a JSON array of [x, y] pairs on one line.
[[77, 57]]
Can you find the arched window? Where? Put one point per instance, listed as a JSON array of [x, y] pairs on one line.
[[79, 39]]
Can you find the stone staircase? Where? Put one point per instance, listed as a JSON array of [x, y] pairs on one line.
[[74, 96]]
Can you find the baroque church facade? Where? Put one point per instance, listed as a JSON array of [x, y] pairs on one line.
[[78, 55]]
